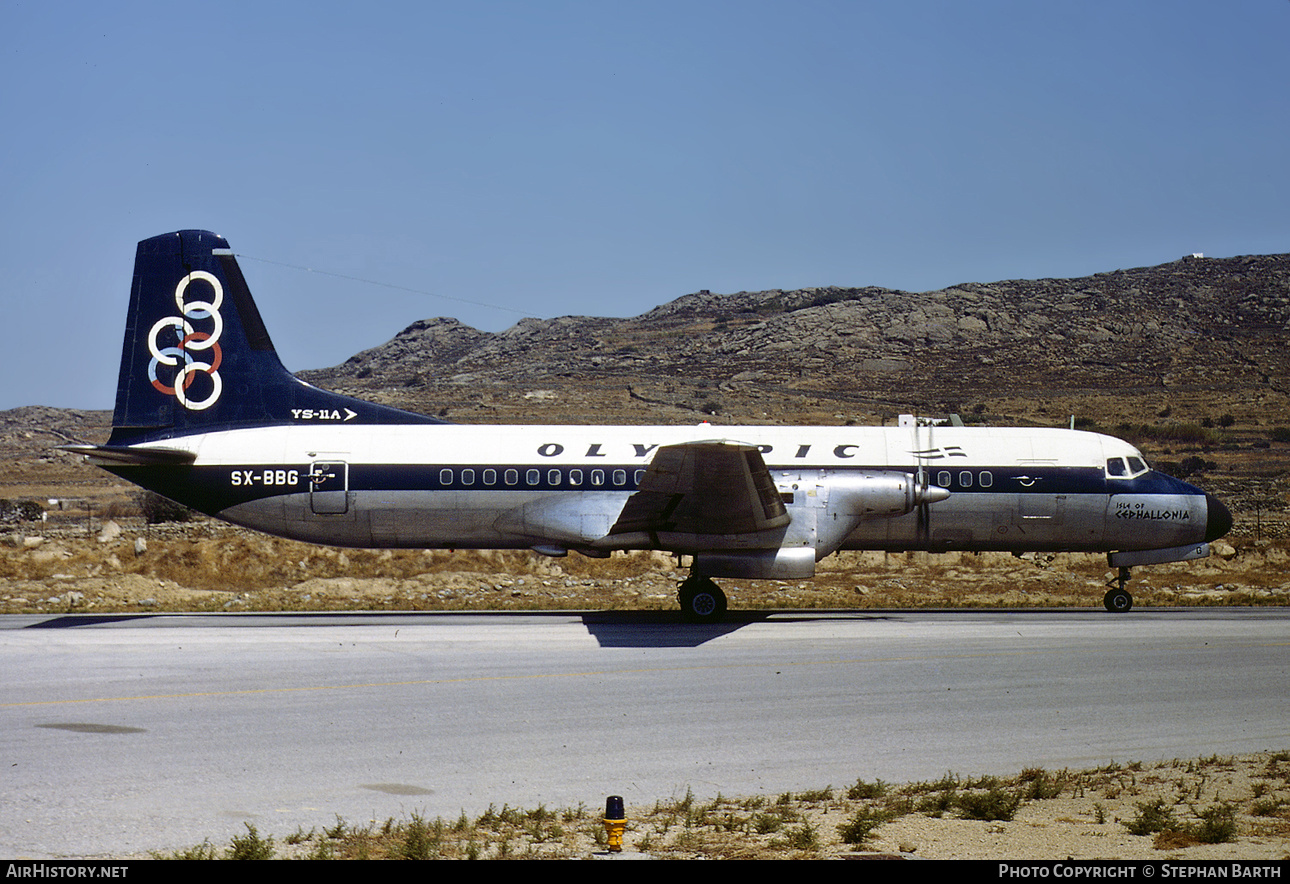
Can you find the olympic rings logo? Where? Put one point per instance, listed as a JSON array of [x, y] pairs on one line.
[[187, 341]]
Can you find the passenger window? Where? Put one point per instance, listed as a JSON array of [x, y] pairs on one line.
[[987, 478], [640, 474], [553, 477], [965, 479], [1115, 468], [512, 476], [620, 477], [445, 477], [943, 478], [597, 477], [533, 477], [468, 477], [575, 478], [490, 477]]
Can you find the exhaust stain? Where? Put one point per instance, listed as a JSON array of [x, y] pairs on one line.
[[396, 789], [83, 727]]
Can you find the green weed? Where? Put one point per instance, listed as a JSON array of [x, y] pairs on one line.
[[251, 845], [996, 804], [857, 830]]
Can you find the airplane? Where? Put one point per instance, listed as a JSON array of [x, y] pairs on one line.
[[207, 415]]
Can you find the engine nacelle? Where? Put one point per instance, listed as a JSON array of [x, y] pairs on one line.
[[842, 501], [795, 563], [881, 494]]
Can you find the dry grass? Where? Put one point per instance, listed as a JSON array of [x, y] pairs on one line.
[[1036, 814]]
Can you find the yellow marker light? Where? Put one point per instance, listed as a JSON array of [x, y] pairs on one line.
[[615, 822]]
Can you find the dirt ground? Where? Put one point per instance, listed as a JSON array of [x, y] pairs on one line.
[[1088, 817], [69, 564]]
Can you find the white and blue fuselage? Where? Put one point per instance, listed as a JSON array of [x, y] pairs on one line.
[[460, 486]]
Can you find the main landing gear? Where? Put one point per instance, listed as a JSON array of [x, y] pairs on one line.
[[1117, 599], [702, 601]]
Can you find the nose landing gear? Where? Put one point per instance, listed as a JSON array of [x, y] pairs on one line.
[[1117, 599]]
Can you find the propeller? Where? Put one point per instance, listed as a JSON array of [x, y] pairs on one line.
[[925, 494], [924, 510]]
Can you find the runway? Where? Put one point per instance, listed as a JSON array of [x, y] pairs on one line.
[[129, 733]]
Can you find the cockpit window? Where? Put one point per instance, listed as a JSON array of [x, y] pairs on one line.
[[1125, 467]]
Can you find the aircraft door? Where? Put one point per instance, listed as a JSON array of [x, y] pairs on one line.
[[329, 487]]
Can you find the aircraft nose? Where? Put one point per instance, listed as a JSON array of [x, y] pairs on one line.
[[1219, 520]]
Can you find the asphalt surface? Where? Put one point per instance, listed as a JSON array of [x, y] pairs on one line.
[[124, 734]]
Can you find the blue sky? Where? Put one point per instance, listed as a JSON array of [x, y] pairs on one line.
[[555, 158]]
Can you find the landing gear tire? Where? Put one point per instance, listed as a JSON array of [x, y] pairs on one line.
[[702, 601], [1118, 601]]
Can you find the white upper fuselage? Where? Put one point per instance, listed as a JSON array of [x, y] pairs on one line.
[[591, 445]]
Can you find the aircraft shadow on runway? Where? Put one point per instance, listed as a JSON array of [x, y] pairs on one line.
[[668, 629], [70, 621], [611, 629]]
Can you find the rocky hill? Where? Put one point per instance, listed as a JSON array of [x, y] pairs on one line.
[[1197, 329]]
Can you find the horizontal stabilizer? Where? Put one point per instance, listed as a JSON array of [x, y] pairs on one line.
[[143, 457]]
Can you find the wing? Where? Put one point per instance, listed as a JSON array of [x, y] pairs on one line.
[[704, 488]]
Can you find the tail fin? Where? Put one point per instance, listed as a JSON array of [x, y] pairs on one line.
[[197, 356]]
